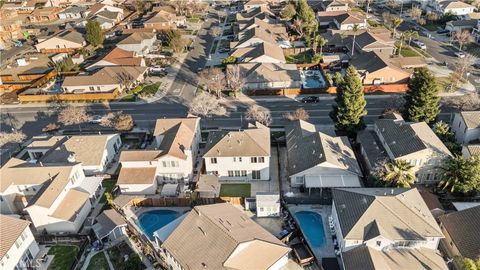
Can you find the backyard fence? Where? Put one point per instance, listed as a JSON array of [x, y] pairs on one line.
[[70, 97], [183, 202]]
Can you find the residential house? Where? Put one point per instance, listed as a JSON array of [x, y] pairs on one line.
[[385, 228], [455, 7], [325, 18], [72, 13], [107, 19], [260, 76], [109, 226], [138, 42], [255, 22], [466, 126], [372, 152], [370, 41], [461, 25], [220, 236], [164, 20], [380, 68], [254, 36], [347, 20], [262, 13], [208, 186], [476, 31], [43, 15], [95, 152], [171, 161], [19, 247], [415, 143], [470, 150], [260, 53], [57, 197], [64, 41], [460, 238], [334, 5], [118, 57], [318, 160], [255, 4], [267, 204], [106, 79], [242, 155], [10, 27], [432, 202], [24, 7], [99, 7], [62, 3]]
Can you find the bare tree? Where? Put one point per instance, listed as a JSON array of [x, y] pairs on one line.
[[416, 13], [386, 16], [15, 136], [298, 114], [468, 102], [257, 113], [125, 79], [463, 38], [73, 115], [213, 79], [216, 31], [432, 16], [298, 26], [464, 65], [421, 21], [50, 127], [118, 121], [206, 105], [235, 78]]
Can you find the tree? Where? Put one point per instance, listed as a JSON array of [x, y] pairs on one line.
[[118, 121], [175, 40], [288, 12], [316, 58], [235, 79], [396, 21], [409, 35], [15, 136], [468, 102], [229, 60], [319, 41], [416, 13], [422, 100], [386, 16], [259, 114], [73, 115], [355, 28], [307, 15], [350, 103], [463, 37], [206, 105], [50, 127], [298, 114], [432, 16], [142, 6], [213, 79], [469, 264], [94, 33], [461, 174], [125, 79], [109, 198], [216, 31], [398, 173], [446, 135], [298, 26]]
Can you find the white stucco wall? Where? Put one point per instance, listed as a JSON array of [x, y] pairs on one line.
[[462, 133], [138, 189], [17, 255], [226, 164]]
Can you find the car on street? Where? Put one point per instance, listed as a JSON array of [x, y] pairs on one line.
[[224, 50], [443, 31], [310, 99], [95, 119], [459, 54], [419, 44]]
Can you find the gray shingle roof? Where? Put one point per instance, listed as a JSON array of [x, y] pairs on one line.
[[372, 147], [471, 119], [107, 221]]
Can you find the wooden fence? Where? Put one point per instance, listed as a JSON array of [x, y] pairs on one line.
[[383, 88], [69, 97], [183, 202]]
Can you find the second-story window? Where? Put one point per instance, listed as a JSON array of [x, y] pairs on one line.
[[253, 159], [213, 160]]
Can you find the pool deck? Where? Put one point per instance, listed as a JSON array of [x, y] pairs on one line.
[[327, 251]]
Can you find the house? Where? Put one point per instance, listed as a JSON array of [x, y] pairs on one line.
[[95, 152], [260, 53], [385, 228], [267, 204], [432, 202], [165, 20], [262, 13], [106, 79], [466, 126], [242, 155], [255, 4], [10, 27], [415, 143], [43, 15], [99, 7], [325, 18], [372, 152], [171, 161], [455, 7], [380, 68], [476, 31], [260, 76], [107, 19], [138, 42], [64, 41], [57, 197], [19, 247], [347, 20], [220, 236], [254, 36], [461, 25], [378, 41], [208, 186], [318, 160], [470, 150], [334, 5], [460, 238], [255, 22], [109, 226], [61, 3], [118, 57], [72, 13]]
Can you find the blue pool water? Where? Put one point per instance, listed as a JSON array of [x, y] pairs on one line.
[[153, 220], [311, 225]]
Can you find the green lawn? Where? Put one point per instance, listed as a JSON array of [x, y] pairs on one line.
[[98, 262], [235, 190], [433, 26], [299, 58], [150, 90], [108, 185], [473, 49], [117, 253], [408, 52], [64, 257]]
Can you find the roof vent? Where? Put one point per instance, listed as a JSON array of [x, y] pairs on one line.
[[204, 265], [71, 158]]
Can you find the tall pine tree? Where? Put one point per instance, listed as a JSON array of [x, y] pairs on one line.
[[94, 33], [307, 15], [422, 100], [350, 108]]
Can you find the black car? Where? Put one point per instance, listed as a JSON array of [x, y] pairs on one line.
[[224, 50], [443, 31], [310, 99]]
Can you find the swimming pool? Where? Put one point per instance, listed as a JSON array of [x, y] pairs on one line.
[[153, 220], [312, 79], [311, 225]]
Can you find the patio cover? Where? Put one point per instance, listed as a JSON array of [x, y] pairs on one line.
[[331, 181], [90, 184], [169, 190]]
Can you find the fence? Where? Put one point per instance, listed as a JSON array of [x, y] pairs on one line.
[[183, 202], [69, 97]]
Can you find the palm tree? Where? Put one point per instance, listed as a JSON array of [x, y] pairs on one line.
[[398, 173], [453, 173], [396, 21], [355, 28], [319, 41], [410, 34]]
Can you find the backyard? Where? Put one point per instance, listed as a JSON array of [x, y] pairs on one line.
[[235, 190], [108, 185], [299, 58], [117, 257], [98, 262], [64, 256]]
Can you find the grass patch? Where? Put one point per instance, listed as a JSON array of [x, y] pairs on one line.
[[193, 20], [98, 262], [235, 190], [64, 257], [299, 58], [473, 49], [150, 90], [128, 98], [433, 26], [408, 52], [108, 186], [117, 253]]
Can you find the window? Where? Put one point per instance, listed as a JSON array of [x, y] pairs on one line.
[[213, 160], [174, 163], [261, 209], [299, 180], [98, 88], [255, 174], [230, 173], [240, 159], [261, 160], [215, 172], [237, 173], [91, 88], [244, 173], [253, 159]]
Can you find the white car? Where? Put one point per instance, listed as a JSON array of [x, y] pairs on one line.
[[419, 44], [95, 119], [459, 54]]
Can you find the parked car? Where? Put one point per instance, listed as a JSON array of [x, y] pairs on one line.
[[95, 119], [459, 54], [419, 44], [310, 99], [476, 65], [224, 50], [443, 31]]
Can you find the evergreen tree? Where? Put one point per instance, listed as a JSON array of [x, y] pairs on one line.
[[422, 100], [461, 174], [350, 108], [94, 33], [307, 15]]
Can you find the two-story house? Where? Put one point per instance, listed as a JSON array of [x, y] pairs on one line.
[[466, 126], [171, 161], [138, 42], [19, 247], [239, 155], [385, 228]]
